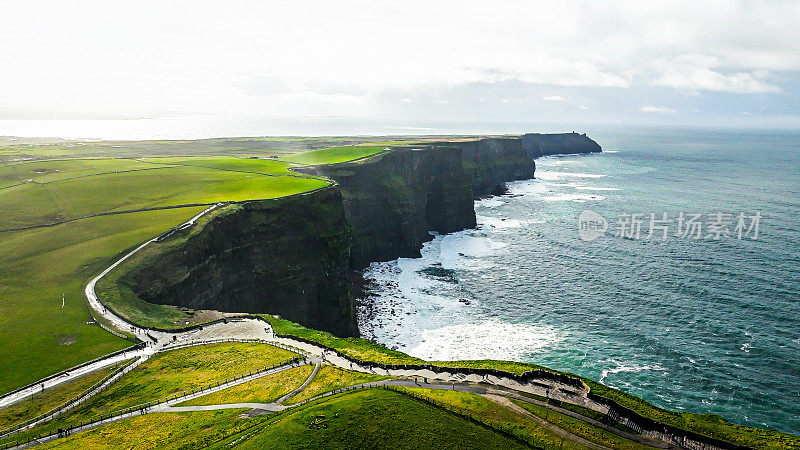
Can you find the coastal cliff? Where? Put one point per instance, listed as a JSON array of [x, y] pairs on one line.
[[287, 256], [299, 256], [491, 162], [537, 144], [393, 200]]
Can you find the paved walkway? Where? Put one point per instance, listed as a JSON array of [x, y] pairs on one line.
[[252, 329]]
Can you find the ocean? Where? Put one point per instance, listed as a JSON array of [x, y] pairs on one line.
[[698, 314]]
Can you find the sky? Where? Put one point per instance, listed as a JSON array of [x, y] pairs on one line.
[[701, 63]]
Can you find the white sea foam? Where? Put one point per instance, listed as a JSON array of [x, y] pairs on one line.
[[491, 339], [580, 198], [414, 294], [548, 175], [489, 202], [498, 222], [592, 188], [625, 367], [527, 187]]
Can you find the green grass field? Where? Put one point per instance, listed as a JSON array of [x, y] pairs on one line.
[[581, 428], [374, 418], [494, 415], [38, 336], [55, 170], [335, 155], [263, 390], [330, 378], [247, 165], [194, 430], [170, 373], [34, 204], [184, 370], [44, 402]]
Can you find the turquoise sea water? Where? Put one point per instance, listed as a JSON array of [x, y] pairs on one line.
[[704, 325]]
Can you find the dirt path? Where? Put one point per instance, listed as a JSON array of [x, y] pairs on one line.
[[559, 431], [300, 389]]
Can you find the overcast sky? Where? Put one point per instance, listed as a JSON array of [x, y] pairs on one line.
[[676, 62]]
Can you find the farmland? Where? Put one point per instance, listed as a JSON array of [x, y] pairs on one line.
[[66, 212]]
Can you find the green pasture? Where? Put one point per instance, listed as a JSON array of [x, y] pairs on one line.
[[193, 430], [169, 373], [377, 419], [494, 415], [248, 165], [335, 155], [33, 204], [35, 148], [47, 171], [330, 378], [372, 418], [262, 390], [38, 336], [46, 401]]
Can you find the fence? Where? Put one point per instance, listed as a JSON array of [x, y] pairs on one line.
[[223, 340], [146, 407], [138, 346], [659, 431], [522, 379], [66, 406]]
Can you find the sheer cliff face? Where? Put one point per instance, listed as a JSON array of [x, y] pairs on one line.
[[489, 163], [294, 256], [537, 145], [392, 201], [288, 257]]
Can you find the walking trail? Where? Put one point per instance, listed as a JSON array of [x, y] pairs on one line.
[[252, 329]]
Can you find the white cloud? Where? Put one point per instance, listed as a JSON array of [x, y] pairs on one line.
[[584, 107], [280, 58], [706, 79], [554, 98], [657, 109]]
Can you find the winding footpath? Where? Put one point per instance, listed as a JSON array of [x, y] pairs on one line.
[[500, 388]]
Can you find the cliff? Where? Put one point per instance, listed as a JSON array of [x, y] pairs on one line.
[[491, 162], [537, 145], [286, 256], [295, 256], [393, 200]]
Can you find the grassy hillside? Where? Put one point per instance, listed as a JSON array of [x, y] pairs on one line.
[[174, 372], [335, 155], [375, 419], [38, 336], [62, 198], [704, 424], [34, 204]]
